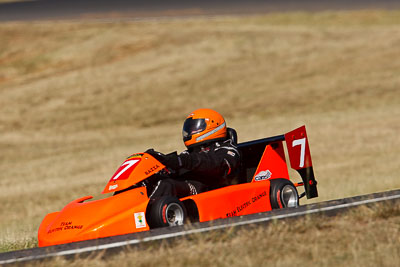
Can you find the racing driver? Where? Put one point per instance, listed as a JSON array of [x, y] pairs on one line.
[[209, 162]]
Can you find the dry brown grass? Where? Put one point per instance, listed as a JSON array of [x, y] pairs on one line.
[[77, 97]]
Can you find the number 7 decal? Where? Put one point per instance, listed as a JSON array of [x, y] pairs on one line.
[[297, 145], [120, 171], [302, 143]]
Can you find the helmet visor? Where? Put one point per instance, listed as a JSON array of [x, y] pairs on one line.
[[193, 126]]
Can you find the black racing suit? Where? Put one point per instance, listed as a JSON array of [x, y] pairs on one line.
[[204, 168]]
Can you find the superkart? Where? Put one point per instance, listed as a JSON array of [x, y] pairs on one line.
[[262, 184]]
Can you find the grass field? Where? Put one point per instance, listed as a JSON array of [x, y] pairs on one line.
[[76, 98]]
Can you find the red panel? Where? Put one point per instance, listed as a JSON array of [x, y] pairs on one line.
[[297, 145]]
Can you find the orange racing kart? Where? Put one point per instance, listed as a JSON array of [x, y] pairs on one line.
[[263, 184]]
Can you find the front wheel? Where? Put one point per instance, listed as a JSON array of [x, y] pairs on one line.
[[283, 194], [166, 211]]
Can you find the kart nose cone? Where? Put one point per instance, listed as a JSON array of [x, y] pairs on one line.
[[79, 220]]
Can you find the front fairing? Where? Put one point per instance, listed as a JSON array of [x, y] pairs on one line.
[[79, 220], [133, 170]]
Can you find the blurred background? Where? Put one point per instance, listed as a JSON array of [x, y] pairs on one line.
[[85, 84]]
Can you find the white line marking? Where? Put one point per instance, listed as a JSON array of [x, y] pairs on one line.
[[201, 230]]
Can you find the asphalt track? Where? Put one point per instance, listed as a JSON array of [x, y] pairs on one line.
[[112, 245], [136, 9]]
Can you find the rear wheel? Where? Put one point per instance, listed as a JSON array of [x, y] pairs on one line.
[[166, 211], [283, 194]]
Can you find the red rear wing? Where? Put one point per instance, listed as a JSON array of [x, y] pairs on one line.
[[300, 159]]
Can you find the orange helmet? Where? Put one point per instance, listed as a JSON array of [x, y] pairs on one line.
[[203, 125]]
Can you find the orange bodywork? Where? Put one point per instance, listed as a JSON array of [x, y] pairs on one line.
[[119, 214], [234, 200], [272, 164], [135, 169], [243, 199], [125, 212]]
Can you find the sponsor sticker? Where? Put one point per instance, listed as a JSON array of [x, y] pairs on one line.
[[112, 187], [152, 169], [246, 204], [140, 220], [65, 226], [263, 175]]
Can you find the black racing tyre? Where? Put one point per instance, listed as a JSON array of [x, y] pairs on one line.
[[283, 194], [166, 211]]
